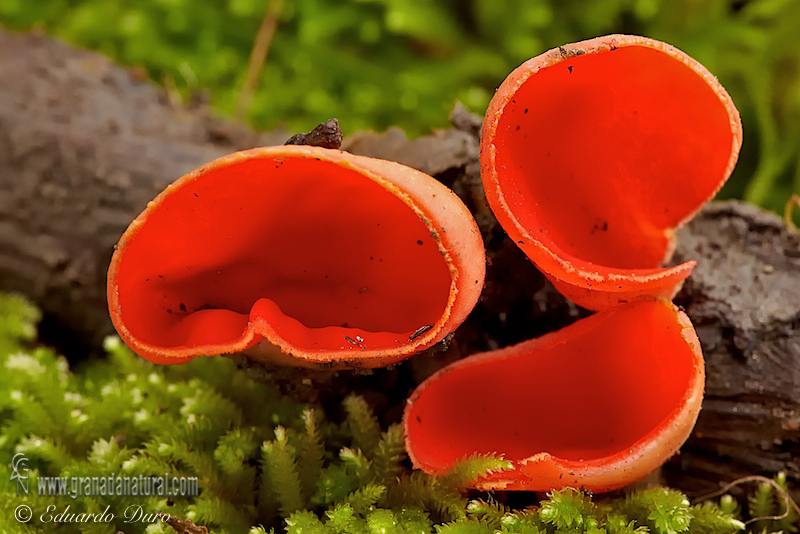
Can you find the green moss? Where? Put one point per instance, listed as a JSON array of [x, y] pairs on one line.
[[380, 63], [264, 461]]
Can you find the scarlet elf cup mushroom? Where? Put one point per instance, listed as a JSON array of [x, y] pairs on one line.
[[593, 153], [597, 405], [299, 255]]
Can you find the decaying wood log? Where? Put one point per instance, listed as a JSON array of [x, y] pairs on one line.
[[744, 300], [84, 145]]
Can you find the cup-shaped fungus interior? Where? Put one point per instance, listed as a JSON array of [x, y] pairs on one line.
[[586, 393], [327, 256], [599, 154]]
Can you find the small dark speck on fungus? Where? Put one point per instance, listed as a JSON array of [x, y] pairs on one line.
[[421, 330]]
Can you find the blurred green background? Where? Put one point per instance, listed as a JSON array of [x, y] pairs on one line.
[[379, 63]]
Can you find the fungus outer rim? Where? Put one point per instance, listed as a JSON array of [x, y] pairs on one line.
[[458, 263], [566, 267]]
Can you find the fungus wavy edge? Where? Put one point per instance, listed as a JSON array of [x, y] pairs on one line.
[[589, 284], [448, 219], [542, 471]]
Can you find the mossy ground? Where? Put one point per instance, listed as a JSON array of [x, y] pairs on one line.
[[265, 461]]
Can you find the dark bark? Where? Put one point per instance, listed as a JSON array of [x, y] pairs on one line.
[[744, 300], [327, 135], [84, 145]]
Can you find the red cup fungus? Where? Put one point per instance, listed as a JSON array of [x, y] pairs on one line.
[[300, 255], [594, 152], [597, 405]]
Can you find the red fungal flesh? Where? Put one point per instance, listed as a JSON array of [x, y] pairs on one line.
[[586, 393], [315, 249], [600, 153]]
